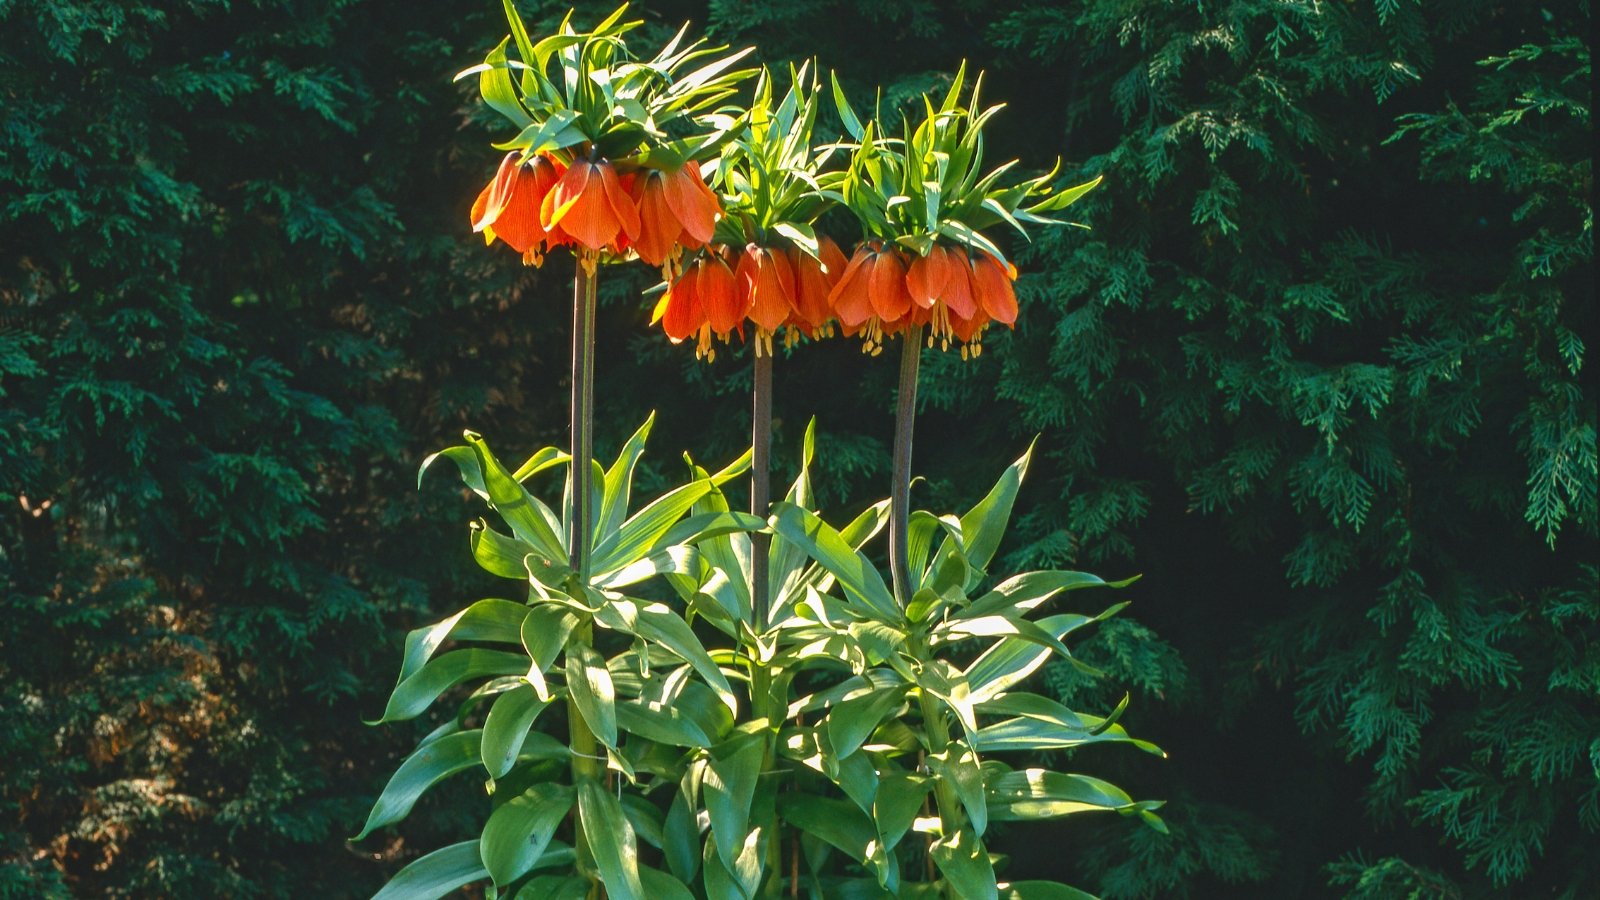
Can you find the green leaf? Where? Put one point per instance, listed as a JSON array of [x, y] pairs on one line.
[[512, 558], [428, 765], [851, 722], [837, 822], [680, 838], [661, 886], [618, 483], [641, 532], [1030, 590], [611, 840], [520, 829], [494, 82], [589, 685], [965, 865], [486, 620], [852, 123], [554, 887], [416, 692], [728, 787], [530, 520], [544, 635], [859, 579], [436, 874], [1011, 660], [958, 766], [1043, 724], [984, 525], [1042, 890], [677, 560], [1042, 794], [897, 804], [507, 726]]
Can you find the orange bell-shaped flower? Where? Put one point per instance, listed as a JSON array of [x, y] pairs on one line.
[[590, 205], [814, 279], [871, 297], [508, 207], [676, 212], [766, 279]]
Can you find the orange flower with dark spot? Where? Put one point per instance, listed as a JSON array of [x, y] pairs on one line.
[[508, 206], [590, 205], [676, 212]]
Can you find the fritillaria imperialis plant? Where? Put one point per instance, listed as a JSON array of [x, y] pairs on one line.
[[747, 707]]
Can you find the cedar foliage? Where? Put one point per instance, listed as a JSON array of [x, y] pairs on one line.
[[1318, 372]]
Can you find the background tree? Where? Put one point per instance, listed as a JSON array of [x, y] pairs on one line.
[[1317, 372]]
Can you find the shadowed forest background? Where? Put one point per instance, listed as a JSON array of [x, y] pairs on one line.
[[1317, 371]]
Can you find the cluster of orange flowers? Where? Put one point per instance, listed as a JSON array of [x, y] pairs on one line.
[[538, 205], [880, 291]]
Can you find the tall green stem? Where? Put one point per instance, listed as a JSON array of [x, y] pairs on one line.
[[760, 484], [905, 415], [761, 700], [582, 742]]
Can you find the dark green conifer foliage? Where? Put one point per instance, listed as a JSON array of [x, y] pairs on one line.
[[1319, 372]]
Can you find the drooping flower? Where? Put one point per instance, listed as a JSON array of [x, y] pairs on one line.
[[508, 206], [590, 205], [703, 302], [814, 279], [979, 291], [677, 212], [765, 278], [871, 298]]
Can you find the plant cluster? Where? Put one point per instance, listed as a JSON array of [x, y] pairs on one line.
[[824, 729]]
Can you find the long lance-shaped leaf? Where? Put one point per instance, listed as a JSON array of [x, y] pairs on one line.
[[677, 560], [498, 621], [660, 625], [510, 558], [984, 525], [418, 691], [1041, 890], [589, 685], [437, 874], [958, 766], [1011, 660], [999, 626], [612, 841], [530, 520], [851, 721], [494, 82], [1040, 723], [1041, 794], [618, 482], [430, 764], [859, 579], [506, 727], [1030, 590], [641, 531], [728, 788], [964, 863], [544, 634], [838, 822], [518, 832]]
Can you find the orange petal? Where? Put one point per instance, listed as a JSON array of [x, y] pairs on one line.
[[958, 295], [925, 279], [658, 229], [684, 314], [833, 260], [810, 290], [995, 292], [773, 297], [887, 287], [849, 299], [495, 196], [719, 296], [694, 205], [627, 216]]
